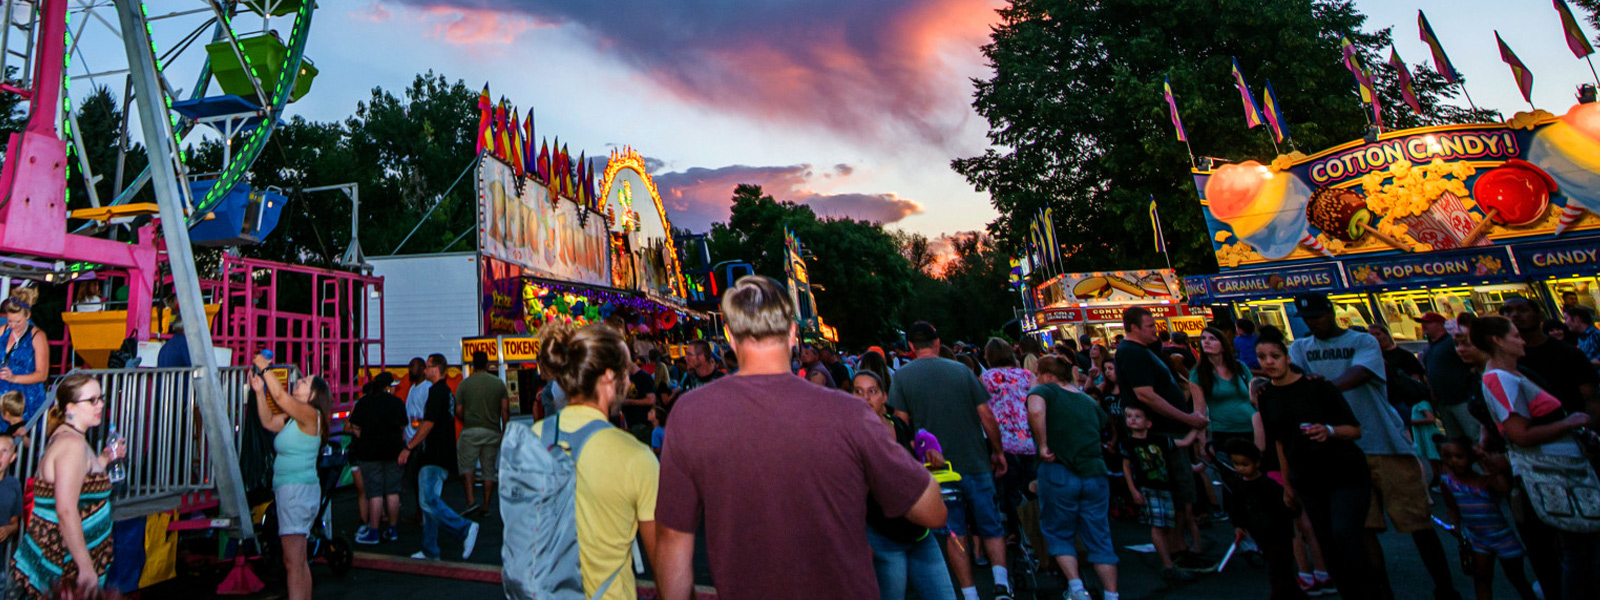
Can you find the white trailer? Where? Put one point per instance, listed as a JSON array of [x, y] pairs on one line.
[[430, 302]]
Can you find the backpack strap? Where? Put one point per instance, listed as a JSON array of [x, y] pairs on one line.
[[550, 434], [577, 439], [600, 592]]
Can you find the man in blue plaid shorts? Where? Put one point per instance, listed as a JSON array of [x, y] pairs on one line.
[[1145, 469]]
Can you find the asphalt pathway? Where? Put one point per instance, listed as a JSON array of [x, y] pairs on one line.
[[1139, 573]]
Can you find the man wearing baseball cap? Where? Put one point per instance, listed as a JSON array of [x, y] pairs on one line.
[[1451, 380], [1353, 361]]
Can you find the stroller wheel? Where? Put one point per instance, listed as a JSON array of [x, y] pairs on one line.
[[339, 555]]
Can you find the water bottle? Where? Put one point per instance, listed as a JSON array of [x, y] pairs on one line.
[[118, 470]]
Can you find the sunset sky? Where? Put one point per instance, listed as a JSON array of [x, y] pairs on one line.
[[855, 107]]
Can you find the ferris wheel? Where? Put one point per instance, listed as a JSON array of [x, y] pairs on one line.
[[243, 62], [224, 70]]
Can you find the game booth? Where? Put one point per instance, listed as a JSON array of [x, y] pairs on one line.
[[566, 249], [1445, 219], [1077, 304]]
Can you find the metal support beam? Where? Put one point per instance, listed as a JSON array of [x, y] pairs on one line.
[[161, 146], [353, 256]]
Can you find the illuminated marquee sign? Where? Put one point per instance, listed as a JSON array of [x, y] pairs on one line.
[[1457, 266], [1562, 259], [518, 348], [1322, 278]]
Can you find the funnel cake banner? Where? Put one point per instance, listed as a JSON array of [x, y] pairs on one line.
[[1412, 191]]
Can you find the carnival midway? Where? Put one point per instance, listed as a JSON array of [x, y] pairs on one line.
[[1384, 386]]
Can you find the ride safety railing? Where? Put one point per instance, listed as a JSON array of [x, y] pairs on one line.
[[155, 412]]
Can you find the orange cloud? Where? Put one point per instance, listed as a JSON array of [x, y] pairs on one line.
[[869, 68], [698, 197]]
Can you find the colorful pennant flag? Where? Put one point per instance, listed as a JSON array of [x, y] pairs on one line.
[[1407, 90], [1172, 106], [1575, 39], [502, 141], [1441, 62], [544, 162], [1275, 122], [515, 156], [1052, 248], [485, 120], [530, 155], [1016, 272], [1155, 224], [1352, 63], [1252, 113], [1519, 71], [1372, 97]]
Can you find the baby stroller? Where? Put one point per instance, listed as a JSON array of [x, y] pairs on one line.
[[322, 546]]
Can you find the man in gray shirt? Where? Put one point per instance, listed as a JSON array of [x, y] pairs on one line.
[[1353, 361], [945, 398]]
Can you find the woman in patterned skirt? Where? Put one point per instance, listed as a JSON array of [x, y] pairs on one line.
[[68, 535]]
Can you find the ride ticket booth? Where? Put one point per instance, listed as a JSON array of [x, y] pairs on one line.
[[515, 359]]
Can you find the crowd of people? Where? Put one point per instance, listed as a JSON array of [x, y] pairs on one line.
[[909, 465]]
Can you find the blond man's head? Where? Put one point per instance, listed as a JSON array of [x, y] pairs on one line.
[[757, 308]]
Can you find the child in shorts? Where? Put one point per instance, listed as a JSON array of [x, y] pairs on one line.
[[1149, 482], [1473, 504], [1258, 507]]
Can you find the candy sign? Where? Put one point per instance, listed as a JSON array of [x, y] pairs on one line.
[[1558, 258], [1409, 192]]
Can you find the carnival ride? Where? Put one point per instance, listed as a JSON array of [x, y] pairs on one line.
[[246, 59]]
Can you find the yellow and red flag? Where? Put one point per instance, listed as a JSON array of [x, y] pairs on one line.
[[485, 120], [515, 157], [1407, 90], [1519, 71], [1575, 39], [1172, 106], [1274, 114], [1441, 61], [1252, 113]]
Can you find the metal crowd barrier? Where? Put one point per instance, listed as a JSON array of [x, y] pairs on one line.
[[154, 411]]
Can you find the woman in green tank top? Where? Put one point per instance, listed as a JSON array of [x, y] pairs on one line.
[[300, 421]]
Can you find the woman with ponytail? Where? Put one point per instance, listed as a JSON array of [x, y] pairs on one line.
[[26, 362], [301, 421], [617, 475], [69, 533]]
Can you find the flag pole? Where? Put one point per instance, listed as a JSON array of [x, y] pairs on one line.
[[1463, 83], [1163, 235], [1596, 75]]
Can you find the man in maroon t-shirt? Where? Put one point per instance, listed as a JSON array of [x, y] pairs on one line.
[[779, 471]]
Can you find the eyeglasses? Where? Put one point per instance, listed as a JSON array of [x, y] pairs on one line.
[[97, 399]]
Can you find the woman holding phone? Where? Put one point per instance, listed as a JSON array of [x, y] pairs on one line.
[[300, 421]]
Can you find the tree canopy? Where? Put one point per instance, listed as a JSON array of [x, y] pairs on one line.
[[1078, 120]]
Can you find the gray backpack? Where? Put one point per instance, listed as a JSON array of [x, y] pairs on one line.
[[538, 504]]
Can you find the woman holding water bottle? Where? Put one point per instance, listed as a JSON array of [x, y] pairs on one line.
[[69, 533], [301, 421]]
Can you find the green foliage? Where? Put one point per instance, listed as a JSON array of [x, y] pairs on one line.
[[1078, 121], [868, 282], [403, 151]]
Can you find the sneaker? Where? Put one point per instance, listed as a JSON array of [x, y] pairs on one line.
[[1076, 595], [1248, 545], [1002, 592], [367, 537], [472, 540], [1171, 575], [361, 531], [420, 556], [471, 508], [1309, 588], [1219, 515], [391, 535], [1324, 588]]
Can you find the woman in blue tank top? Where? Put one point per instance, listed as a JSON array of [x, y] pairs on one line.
[[300, 421]]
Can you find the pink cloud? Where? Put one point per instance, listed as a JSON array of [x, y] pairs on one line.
[[697, 197], [877, 69]]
